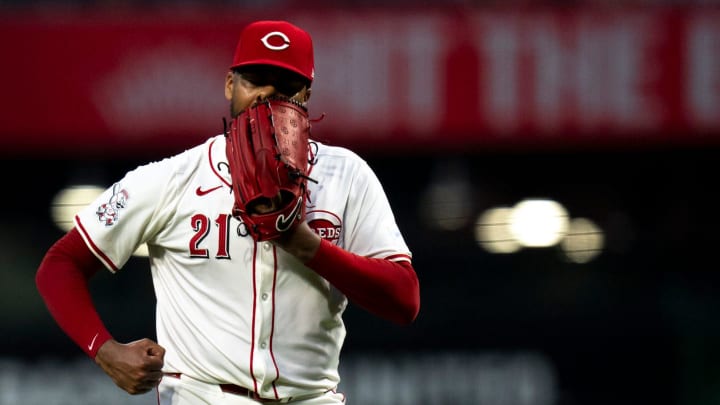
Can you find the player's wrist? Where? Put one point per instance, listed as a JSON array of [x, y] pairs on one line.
[[102, 340], [301, 242]]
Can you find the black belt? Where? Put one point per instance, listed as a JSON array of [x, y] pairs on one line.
[[233, 389]]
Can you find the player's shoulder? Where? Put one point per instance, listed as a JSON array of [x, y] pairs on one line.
[[334, 152], [179, 165], [190, 158], [339, 162]]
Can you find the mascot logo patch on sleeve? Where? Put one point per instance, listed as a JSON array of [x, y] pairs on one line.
[[326, 224], [108, 212]]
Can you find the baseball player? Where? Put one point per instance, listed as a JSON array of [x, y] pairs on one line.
[[240, 320]]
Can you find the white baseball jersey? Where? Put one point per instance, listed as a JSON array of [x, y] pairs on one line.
[[229, 309]]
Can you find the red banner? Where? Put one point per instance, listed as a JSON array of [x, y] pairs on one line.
[[432, 79]]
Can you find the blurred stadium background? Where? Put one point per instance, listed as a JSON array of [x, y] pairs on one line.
[[553, 165]]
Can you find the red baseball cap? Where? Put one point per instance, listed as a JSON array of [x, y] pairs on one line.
[[276, 43]]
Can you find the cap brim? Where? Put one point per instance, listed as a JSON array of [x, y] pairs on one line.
[[275, 63]]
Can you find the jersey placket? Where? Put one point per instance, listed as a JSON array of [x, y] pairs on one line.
[[263, 366]]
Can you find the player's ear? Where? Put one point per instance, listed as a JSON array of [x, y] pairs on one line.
[[229, 81]]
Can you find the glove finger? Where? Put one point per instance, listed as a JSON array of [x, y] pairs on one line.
[[244, 159], [264, 151]]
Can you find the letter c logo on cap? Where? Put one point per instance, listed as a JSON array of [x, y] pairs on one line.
[[283, 37]]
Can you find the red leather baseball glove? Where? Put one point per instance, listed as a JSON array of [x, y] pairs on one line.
[[267, 150]]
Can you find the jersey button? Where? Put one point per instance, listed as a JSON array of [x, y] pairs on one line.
[[263, 345], [267, 245], [265, 296]]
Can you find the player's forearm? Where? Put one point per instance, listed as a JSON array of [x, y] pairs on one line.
[[61, 280], [385, 288]]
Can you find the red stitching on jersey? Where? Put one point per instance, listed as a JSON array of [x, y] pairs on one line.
[[272, 326], [212, 165], [99, 253], [252, 331], [399, 257]]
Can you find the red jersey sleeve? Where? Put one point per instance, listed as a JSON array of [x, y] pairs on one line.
[[62, 281], [386, 288]]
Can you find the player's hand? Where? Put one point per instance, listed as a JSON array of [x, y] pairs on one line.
[[301, 242], [135, 367]]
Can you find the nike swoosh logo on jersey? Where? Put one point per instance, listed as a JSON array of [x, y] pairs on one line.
[[200, 192], [282, 224], [92, 343]]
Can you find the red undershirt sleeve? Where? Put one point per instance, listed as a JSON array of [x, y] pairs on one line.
[[62, 281], [383, 287]]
